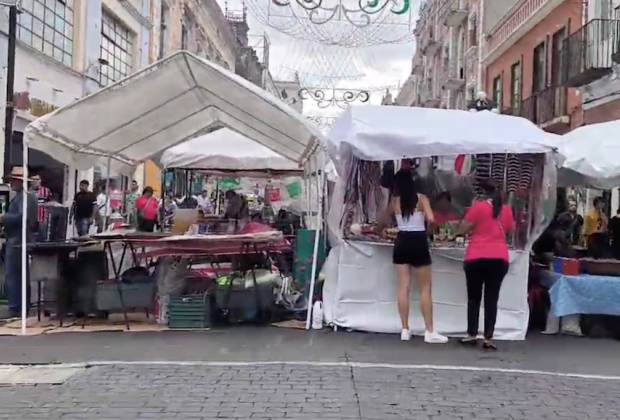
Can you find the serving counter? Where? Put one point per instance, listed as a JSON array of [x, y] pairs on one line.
[[360, 292]]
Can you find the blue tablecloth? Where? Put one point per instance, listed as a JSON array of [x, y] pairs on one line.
[[585, 294]]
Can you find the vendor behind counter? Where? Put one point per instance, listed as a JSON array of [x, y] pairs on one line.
[[595, 230]]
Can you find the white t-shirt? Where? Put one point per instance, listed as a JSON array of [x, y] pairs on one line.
[[204, 203], [103, 204]]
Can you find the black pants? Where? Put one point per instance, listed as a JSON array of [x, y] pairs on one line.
[[486, 274], [146, 225]]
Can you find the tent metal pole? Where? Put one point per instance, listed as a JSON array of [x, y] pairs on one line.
[[24, 249], [315, 253], [107, 208]]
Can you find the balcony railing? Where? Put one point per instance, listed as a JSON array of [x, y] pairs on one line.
[[543, 108], [587, 53], [551, 104]]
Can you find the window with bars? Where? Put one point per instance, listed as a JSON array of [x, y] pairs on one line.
[[47, 26], [116, 49]]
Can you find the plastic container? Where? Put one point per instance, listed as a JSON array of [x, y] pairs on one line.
[[190, 312], [317, 315], [138, 295], [570, 267], [557, 265]]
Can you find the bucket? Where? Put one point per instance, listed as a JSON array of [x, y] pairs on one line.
[[557, 265]]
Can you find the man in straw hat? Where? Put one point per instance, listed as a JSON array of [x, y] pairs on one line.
[[11, 222]]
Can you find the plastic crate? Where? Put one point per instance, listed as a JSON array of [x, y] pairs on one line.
[[135, 295], [189, 312], [244, 299]]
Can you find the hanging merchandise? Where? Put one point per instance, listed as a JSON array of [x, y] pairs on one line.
[[463, 164], [294, 189], [116, 199], [274, 195]]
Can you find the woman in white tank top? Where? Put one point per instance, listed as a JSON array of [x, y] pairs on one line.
[[412, 253]]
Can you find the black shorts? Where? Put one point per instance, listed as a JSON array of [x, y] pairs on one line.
[[411, 248]]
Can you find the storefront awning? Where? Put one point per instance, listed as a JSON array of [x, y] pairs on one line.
[[166, 104]]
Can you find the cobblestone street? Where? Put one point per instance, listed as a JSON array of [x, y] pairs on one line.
[[310, 392]]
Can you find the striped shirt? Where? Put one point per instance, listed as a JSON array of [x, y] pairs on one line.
[[42, 194]]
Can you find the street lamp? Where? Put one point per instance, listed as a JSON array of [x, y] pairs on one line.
[[13, 6], [98, 63]]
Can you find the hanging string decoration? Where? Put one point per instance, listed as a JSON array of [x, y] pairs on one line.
[[323, 123], [350, 23], [341, 98]]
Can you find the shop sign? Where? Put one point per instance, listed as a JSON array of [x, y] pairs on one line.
[[34, 106]]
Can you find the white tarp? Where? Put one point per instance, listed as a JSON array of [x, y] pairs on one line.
[[226, 150], [592, 153], [175, 99], [390, 132]]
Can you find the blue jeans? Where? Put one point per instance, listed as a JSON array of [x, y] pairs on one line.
[[13, 264], [82, 226]]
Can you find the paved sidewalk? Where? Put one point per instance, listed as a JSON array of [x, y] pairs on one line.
[[279, 392]]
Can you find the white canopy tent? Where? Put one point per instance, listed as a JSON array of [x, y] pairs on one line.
[[174, 100], [229, 152], [379, 133], [591, 155], [359, 293], [168, 103]]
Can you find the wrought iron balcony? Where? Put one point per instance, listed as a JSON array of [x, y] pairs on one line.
[[587, 53], [456, 13], [552, 108], [547, 108]]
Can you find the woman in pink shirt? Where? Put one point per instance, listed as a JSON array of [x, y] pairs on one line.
[[486, 259]]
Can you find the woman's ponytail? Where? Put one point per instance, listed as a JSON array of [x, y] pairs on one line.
[[496, 201], [493, 193]]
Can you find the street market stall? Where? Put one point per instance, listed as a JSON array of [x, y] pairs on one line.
[[587, 287], [360, 288], [172, 101]]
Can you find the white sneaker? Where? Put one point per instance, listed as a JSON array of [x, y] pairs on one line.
[[434, 338], [405, 335]]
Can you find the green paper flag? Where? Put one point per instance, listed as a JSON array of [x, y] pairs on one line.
[[226, 184], [294, 189]]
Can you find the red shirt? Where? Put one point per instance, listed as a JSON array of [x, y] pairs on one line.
[[148, 207], [488, 236]]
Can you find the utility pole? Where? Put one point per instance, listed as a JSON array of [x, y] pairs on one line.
[[10, 83]]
